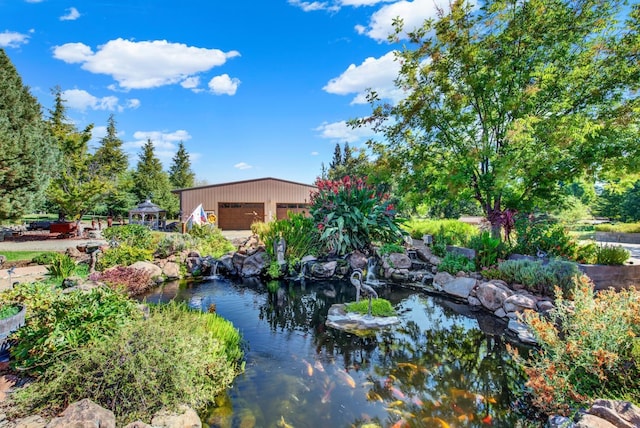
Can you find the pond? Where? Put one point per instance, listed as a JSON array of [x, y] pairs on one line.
[[442, 366]]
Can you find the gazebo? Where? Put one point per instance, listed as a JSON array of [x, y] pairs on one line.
[[148, 214]]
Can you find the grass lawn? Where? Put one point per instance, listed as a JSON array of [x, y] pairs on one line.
[[16, 256]]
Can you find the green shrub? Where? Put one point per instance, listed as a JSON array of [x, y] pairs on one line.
[[62, 266], [454, 263], [44, 258], [299, 232], [123, 255], [379, 307], [542, 233], [351, 215], [488, 249], [390, 248], [587, 253], [209, 240], [454, 232], [133, 235], [174, 243], [611, 255], [586, 350], [275, 270], [619, 227], [58, 323], [8, 310], [540, 278], [132, 373]]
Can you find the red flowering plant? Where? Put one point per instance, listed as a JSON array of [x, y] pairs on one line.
[[350, 215]]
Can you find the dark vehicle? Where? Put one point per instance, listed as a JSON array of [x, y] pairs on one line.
[[39, 225]]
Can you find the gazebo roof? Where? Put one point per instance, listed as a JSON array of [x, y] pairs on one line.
[[147, 207]]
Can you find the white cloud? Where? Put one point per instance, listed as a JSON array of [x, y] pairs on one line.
[[224, 85], [71, 15], [133, 103], [191, 82], [314, 153], [145, 64], [377, 74], [341, 132], [11, 39], [307, 6], [412, 13], [34, 1], [357, 3], [82, 100], [242, 165]]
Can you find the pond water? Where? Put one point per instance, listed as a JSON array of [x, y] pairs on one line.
[[443, 366]]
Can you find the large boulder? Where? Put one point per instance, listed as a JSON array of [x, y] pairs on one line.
[[84, 414], [238, 261], [621, 414], [357, 260], [518, 303], [154, 271], [187, 418], [459, 287], [171, 270], [255, 264], [396, 261], [442, 278], [491, 295], [323, 270], [227, 263]]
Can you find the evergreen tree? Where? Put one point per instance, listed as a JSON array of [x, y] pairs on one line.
[[151, 182], [110, 157], [336, 162], [28, 153], [79, 185], [180, 174], [113, 163]]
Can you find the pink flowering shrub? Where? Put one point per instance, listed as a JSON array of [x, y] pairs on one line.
[[133, 281], [350, 215]]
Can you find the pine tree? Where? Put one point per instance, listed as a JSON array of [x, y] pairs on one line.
[[151, 182], [180, 174], [110, 157], [113, 163], [28, 153]]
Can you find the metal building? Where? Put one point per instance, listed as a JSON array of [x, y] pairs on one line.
[[236, 205]]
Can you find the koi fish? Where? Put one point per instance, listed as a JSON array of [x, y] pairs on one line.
[[374, 396], [487, 420], [309, 367], [417, 401], [461, 393], [440, 422], [318, 366], [396, 403], [401, 423], [282, 423], [346, 377], [397, 392], [327, 394], [409, 365]]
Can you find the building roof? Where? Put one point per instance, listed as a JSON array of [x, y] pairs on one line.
[[240, 182], [147, 207]]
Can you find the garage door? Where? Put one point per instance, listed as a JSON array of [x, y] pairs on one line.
[[283, 209], [239, 215]]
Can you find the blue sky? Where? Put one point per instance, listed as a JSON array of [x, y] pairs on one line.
[[253, 89]]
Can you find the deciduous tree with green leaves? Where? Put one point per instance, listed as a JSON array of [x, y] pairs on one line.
[[28, 153], [79, 184], [506, 102]]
